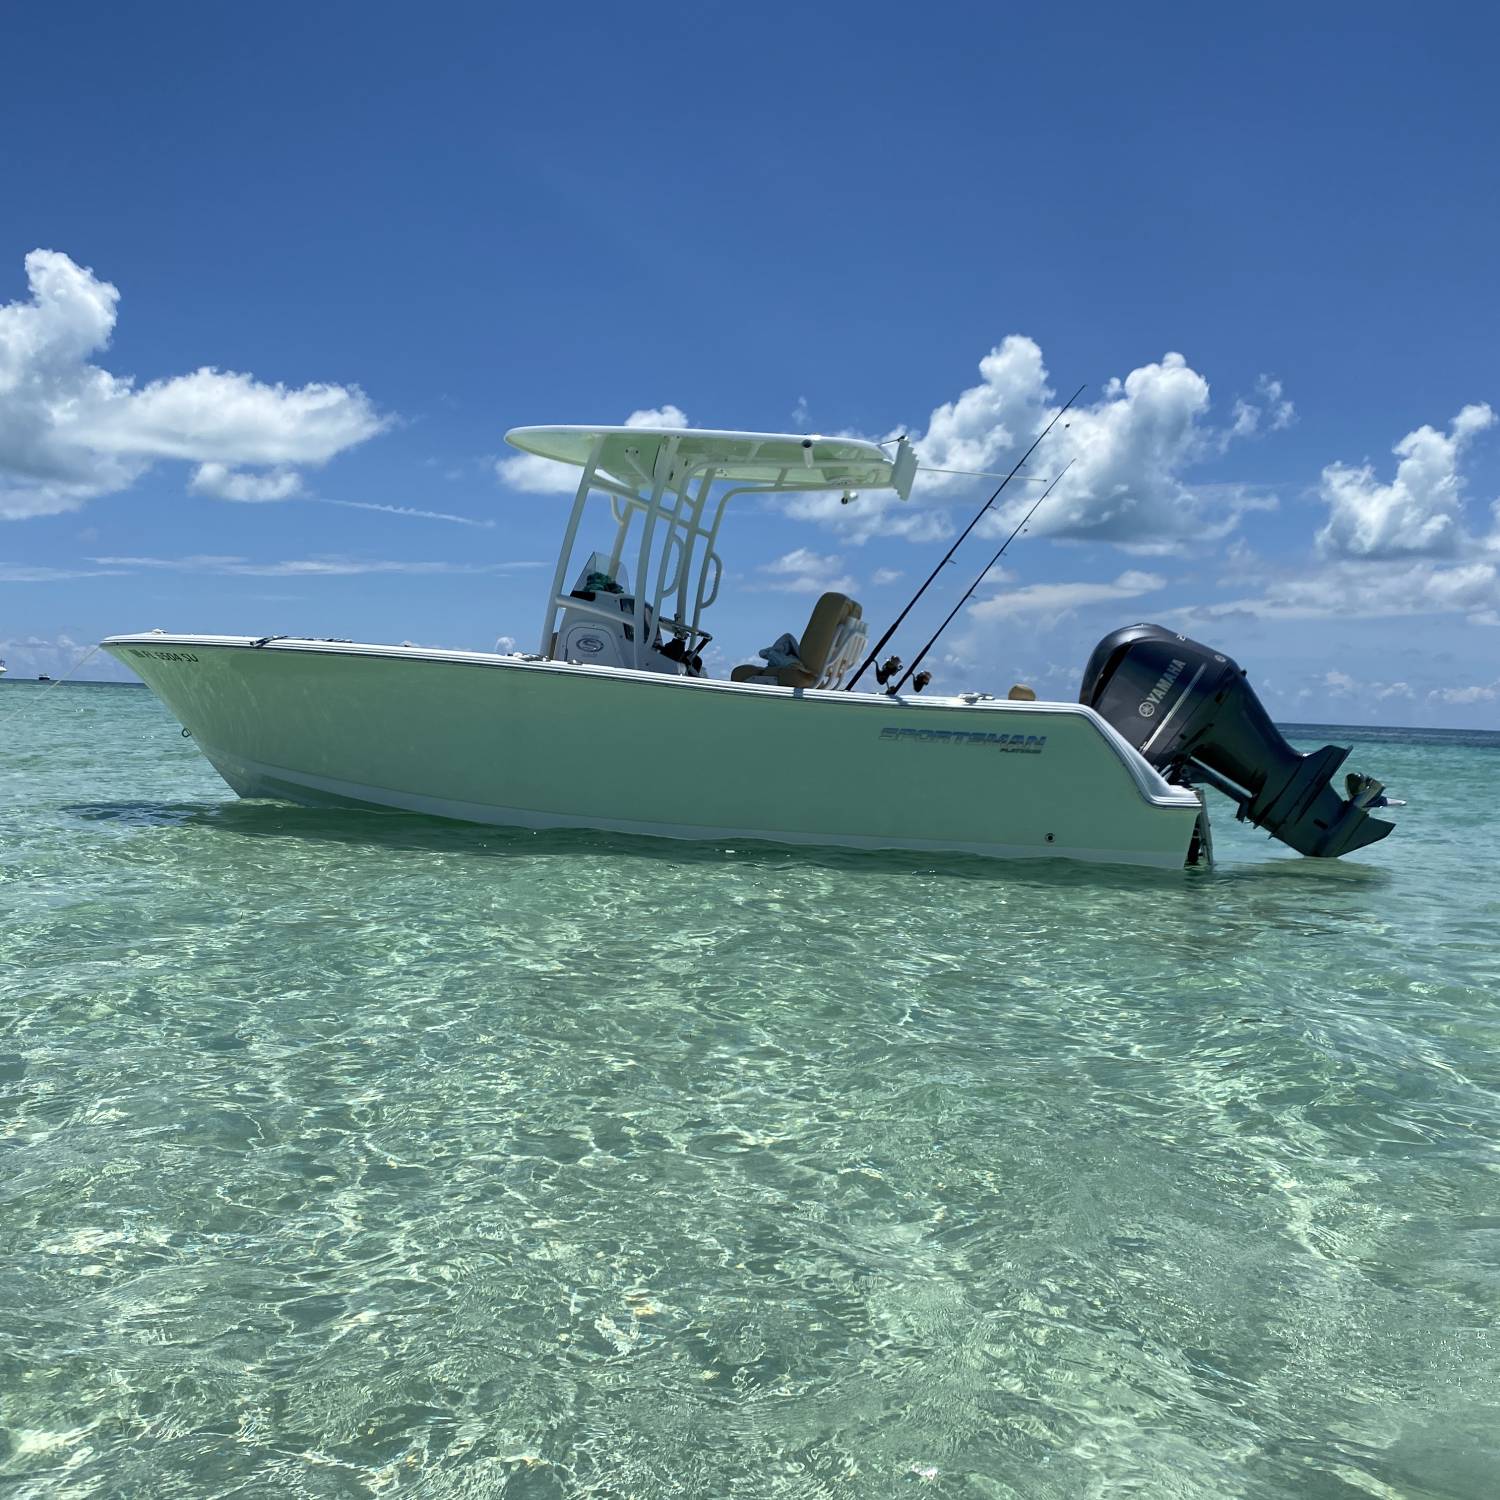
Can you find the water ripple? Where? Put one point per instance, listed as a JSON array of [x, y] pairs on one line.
[[348, 1154]]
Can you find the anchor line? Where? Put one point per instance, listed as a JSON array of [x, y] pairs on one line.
[[895, 625], [27, 709]]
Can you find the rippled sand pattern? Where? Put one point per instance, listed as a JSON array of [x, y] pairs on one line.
[[345, 1154]]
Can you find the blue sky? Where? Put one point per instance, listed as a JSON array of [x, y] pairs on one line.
[[351, 245]]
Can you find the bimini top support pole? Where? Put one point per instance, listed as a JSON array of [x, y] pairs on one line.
[[570, 535]]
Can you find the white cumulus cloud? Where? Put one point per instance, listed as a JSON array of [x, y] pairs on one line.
[[1274, 412], [71, 430], [1365, 589], [1389, 548], [535, 475], [1479, 692], [1130, 451], [1418, 513], [981, 428], [873, 513], [59, 656], [1335, 684], [803, 572], [224, 483]]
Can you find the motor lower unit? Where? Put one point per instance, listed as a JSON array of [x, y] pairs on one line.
[[1190, 711]]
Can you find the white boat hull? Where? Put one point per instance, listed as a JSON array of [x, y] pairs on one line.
[[537, 744]]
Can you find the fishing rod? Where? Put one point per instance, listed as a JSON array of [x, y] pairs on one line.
[[879, 645], [1020, 527]]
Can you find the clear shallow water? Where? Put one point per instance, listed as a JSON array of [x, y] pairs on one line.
[[360, 1155]]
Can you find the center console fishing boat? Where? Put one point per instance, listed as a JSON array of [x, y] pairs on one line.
[[614, 724]]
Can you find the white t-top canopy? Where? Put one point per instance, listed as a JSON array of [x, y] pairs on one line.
[[666, 490], [778, 460]]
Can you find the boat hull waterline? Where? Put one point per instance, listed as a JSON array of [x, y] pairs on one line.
[[536, 744]]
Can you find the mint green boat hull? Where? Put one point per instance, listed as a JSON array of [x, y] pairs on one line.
[[537, 744]]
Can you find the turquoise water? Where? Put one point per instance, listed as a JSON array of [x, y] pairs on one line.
[[346, 1154]]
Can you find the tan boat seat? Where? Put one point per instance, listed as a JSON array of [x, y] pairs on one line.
[[1020, 693], [829, 647]]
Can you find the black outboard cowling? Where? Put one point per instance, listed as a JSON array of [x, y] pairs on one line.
[[1191, 713]]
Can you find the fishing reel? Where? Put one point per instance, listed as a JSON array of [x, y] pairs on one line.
[[887, 669]]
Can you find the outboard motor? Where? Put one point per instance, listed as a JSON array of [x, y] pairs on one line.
[[1190, 712]]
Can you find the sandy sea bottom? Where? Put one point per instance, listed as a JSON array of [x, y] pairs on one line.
[[347, 1154]]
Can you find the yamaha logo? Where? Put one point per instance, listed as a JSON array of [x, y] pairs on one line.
[[1163, 686]]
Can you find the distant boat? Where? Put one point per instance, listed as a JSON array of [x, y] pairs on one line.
[[43, 677]]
